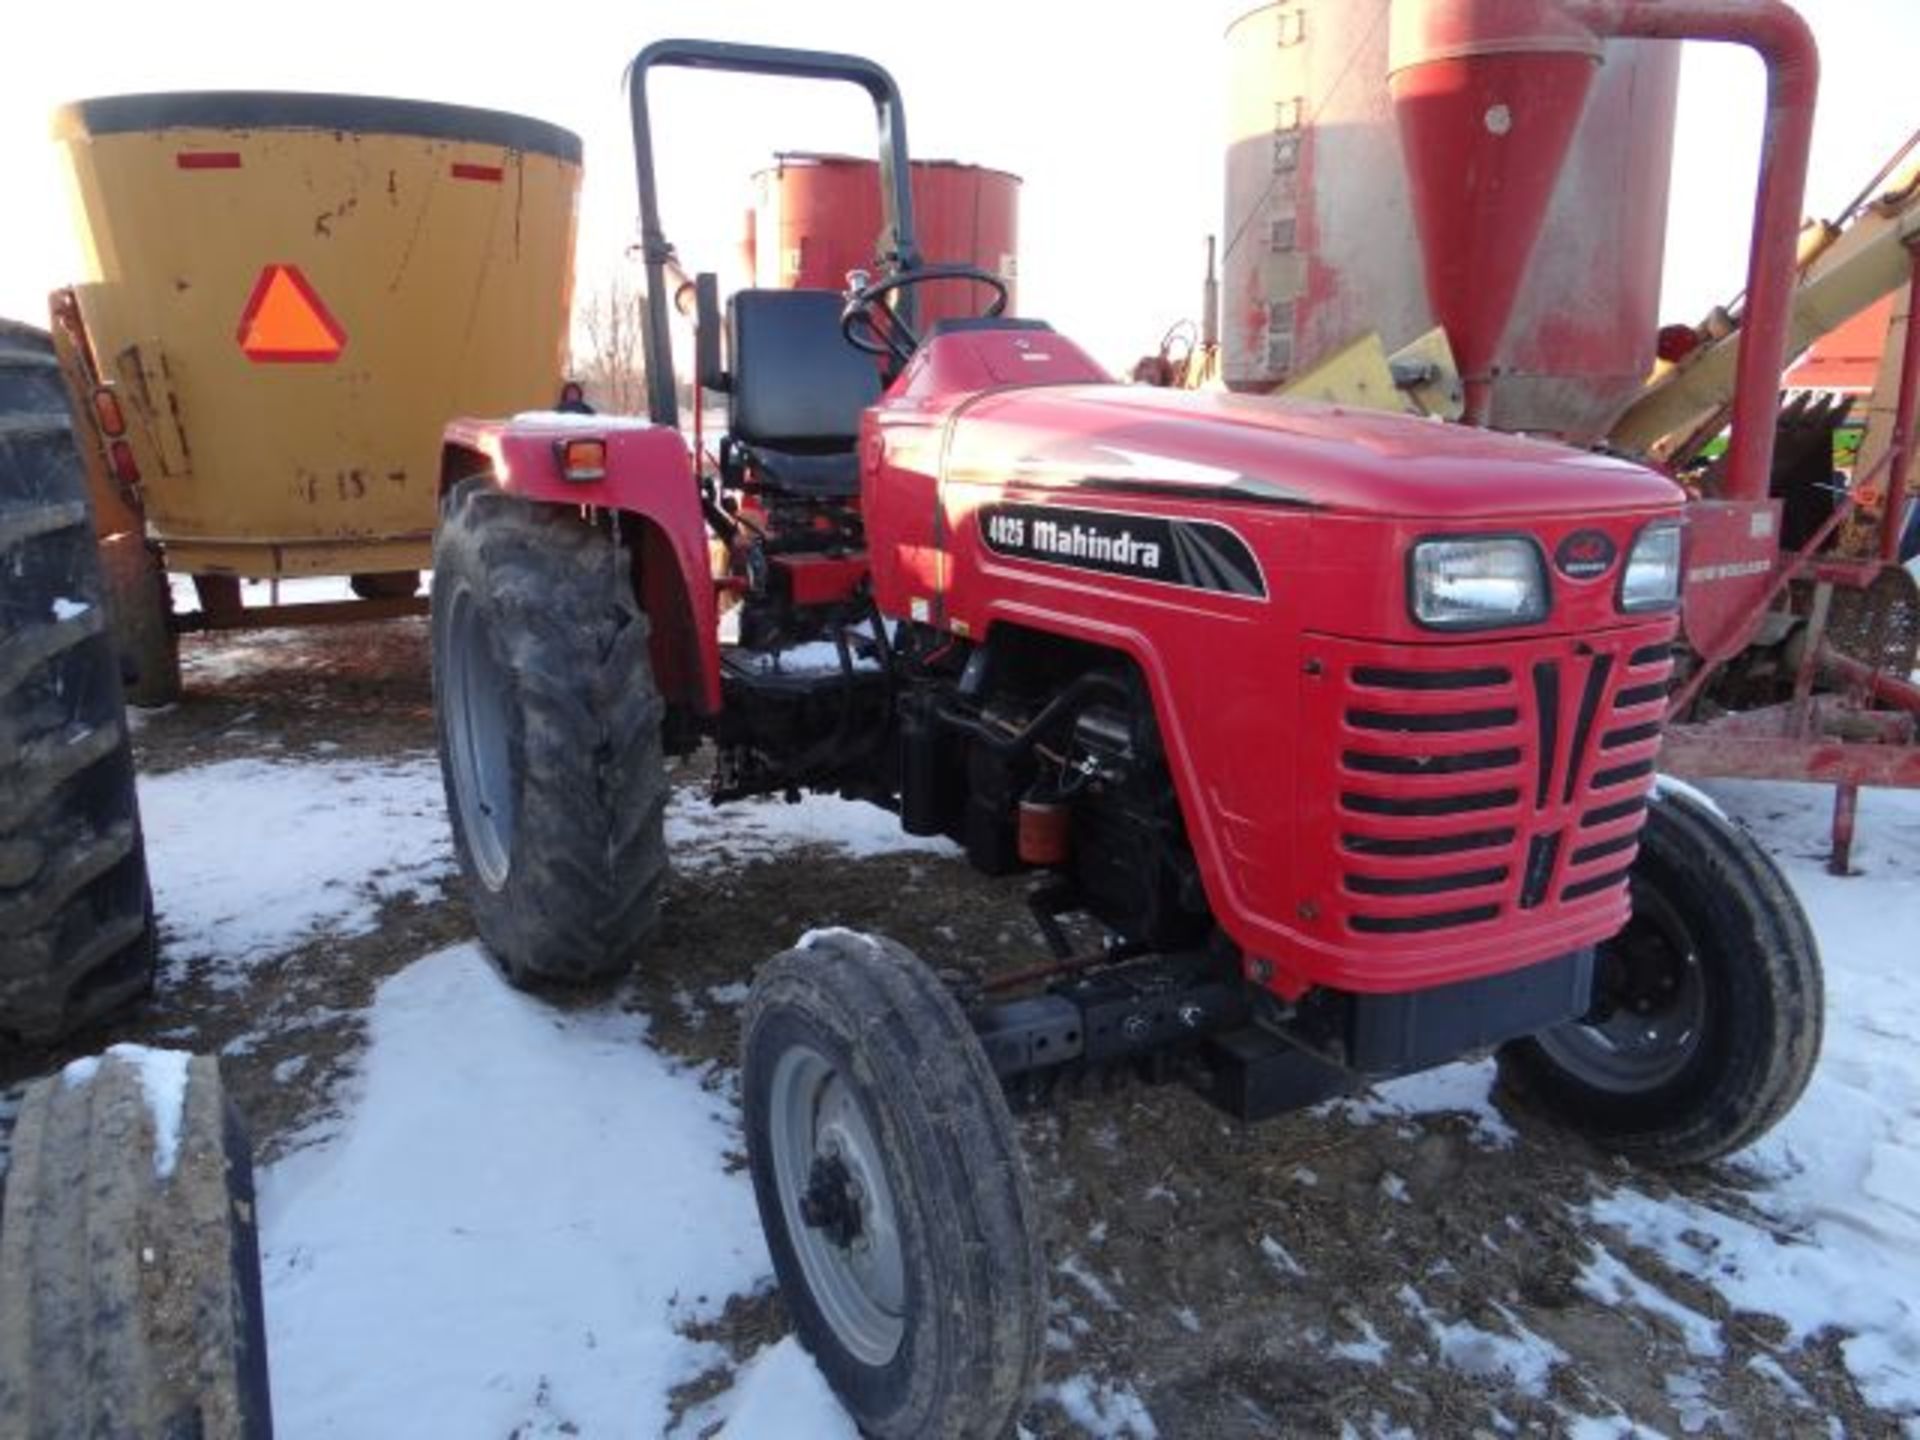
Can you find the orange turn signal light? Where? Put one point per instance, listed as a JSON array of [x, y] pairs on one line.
[[582, 461], [106, 410]]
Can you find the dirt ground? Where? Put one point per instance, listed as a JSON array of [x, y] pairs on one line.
[[1293, 1278]]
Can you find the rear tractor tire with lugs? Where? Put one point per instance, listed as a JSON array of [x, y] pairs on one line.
[[550, 744], [76, 927]]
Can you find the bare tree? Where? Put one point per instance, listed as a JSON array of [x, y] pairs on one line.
[[612, 368]]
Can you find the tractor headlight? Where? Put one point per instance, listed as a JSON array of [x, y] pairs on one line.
[[1651, 580], [1478, 583]]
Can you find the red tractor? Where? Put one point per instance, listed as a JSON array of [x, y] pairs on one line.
[[1340, 727]]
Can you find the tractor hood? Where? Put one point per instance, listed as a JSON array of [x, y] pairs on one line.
[[1258, 450]]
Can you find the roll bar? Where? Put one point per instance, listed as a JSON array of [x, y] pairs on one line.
[[897, 247]]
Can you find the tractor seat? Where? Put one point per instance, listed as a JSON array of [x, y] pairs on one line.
[[796, 390]]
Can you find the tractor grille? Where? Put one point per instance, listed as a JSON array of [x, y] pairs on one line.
[[1513, 784]]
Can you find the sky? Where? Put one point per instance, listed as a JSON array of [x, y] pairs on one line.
[[1114, 115]]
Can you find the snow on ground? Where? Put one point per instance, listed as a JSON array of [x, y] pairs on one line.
[[522, 1205], [1111, 1411], [779, 1392], [251, 857], [1466, 1088], [1520, 1358]]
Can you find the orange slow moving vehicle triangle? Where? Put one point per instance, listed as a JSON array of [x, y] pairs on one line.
[[285, 321]]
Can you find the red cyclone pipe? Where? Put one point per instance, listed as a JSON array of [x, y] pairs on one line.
[[1783, 41]]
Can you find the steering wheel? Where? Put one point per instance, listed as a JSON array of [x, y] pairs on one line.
[[860, 321]]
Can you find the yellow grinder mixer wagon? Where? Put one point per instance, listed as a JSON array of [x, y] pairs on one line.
[[285, 296]]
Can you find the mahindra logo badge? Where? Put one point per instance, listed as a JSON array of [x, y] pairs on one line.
[[1585, 555]]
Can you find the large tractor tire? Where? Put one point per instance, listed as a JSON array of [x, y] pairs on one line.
[[550, 744], [129, 1266], [76, 926], [892, 1191], [141, 607], [1708, 1007]]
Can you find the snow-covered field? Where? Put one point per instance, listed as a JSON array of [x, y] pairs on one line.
[[520, 1207], [251, 857], [506, 1232]]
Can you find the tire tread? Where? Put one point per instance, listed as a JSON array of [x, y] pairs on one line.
[[76, 935], [1776, 978], [958, 1140], [129, 1301], [589, 848]]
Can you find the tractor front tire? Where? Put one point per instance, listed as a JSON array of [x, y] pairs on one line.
[[892, 1190], [1708, 1006], [76, 922], [549, 727], [129, 1263]]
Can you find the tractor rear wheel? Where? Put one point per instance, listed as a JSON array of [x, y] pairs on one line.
[[76, 924], [549, 726], [1708, 1006], [129, 1265], [892, 1190]]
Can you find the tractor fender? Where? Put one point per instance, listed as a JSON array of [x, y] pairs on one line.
[[648, 482]]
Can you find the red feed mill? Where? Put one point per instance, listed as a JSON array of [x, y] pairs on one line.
[[817, 217], [1499, 169]]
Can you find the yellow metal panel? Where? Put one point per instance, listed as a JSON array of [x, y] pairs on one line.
[[1357, 375], [453, 294]]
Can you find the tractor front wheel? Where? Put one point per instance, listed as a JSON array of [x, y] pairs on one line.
[[1706, 1018], [892, 1191], [549, 727]]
